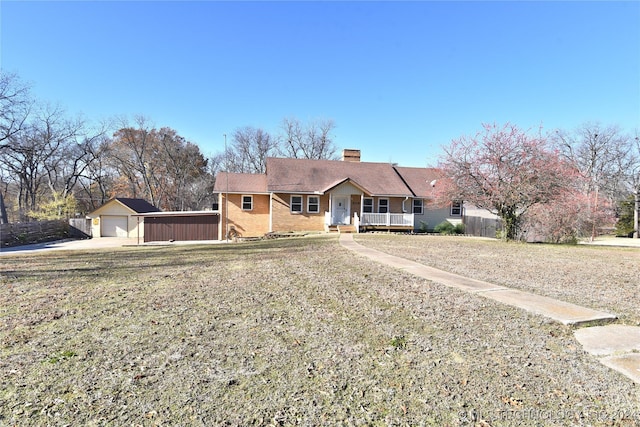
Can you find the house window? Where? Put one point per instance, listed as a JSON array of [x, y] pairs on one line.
[[296, 204], [367, 205], [216, 202], [383, 205], [417, 206], [456, 208], [247, 203], [313, 204]]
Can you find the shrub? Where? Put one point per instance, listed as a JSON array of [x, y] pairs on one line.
[[624, 225], [445, 227]]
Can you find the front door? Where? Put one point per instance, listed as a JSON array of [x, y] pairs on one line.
[[340, 210]]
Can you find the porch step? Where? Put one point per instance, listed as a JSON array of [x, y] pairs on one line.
[[346, 229]]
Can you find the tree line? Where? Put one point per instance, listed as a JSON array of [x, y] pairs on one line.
[[55, 166], [556, 186]]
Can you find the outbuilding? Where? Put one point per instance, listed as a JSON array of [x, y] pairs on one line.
[[116, 218], [179, 226]]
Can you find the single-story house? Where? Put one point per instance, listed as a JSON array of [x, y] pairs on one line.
[[325, 195], [116, 218]]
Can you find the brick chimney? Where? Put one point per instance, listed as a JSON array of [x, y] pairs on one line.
[[350, 155]]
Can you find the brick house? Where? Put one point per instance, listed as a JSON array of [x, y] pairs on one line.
[[297, 195]]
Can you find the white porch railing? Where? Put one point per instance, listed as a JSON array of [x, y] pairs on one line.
[[387, 219]]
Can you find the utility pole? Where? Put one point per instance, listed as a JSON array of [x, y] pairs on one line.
[[226, 196]]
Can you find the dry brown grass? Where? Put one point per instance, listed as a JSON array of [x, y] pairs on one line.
[[284, 332], [604, 278]]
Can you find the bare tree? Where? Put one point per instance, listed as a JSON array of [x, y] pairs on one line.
[[158, 165], [632, 180], [308, 141], [599, 153], [249, 150], [132, 152], [37, 157], [97, 178], [15, 106], [185, 170]]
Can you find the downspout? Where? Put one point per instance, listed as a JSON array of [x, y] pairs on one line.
[[271, 212], [404, 210]]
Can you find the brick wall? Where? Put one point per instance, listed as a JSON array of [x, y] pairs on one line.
[[284, 220], [253, 223]]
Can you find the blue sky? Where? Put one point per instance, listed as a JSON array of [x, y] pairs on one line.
[[400, 79]]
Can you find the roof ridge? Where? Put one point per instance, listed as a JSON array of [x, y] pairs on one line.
[[395, 169]]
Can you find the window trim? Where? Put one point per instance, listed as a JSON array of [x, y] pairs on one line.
[[365, 206], [413, 206], [317, 204], [456, 206], [291, 204], [386, 205], [250, 202]]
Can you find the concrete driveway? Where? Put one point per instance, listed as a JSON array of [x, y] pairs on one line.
[[87, 244], [98, 243]]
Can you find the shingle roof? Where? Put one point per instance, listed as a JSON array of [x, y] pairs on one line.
[[419, 180], [241, 183], [137, 205], [308, 176], [311, 176]]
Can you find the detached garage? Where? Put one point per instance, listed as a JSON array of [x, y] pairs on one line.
[[116, 218], [180, 226], [114, 226]]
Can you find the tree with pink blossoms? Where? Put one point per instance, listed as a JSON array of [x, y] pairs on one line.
[[505, 170]]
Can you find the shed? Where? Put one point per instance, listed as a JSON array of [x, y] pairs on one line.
[[115, 218], [180, 226]]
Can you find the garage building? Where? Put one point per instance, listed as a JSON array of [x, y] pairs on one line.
[[180, 226], [116, 218]]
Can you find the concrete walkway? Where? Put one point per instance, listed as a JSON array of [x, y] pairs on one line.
[[616, 346]]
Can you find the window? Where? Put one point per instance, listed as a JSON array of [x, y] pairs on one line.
[[313, 204], [216, 202], [367, 205], [247, 203], [383, 205], [456, 208], [417, 206], [296, 204]]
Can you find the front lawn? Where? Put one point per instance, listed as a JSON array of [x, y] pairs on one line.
[[281, 332]]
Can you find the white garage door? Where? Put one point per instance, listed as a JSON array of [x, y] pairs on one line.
[[114, 226]]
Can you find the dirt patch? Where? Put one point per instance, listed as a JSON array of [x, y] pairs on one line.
[[282, 332]]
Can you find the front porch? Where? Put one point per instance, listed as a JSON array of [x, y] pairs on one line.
[[375, 221], [350, 205], [384, 221]]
